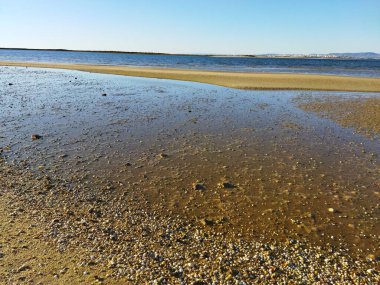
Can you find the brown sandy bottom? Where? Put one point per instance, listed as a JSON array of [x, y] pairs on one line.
[[154, 181], [362, 114]]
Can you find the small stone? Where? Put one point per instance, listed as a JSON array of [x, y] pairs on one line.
[[226, 185], [163, 155], [370, 271], [207, 222], [23, 267], [98, 278], [36, 137], [234, 272], [199, 282], [331, 210], [112, 263], [371, 256], [10, 84], [199, 186], [104, 94]]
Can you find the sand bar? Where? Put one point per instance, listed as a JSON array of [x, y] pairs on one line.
[[240, 80]]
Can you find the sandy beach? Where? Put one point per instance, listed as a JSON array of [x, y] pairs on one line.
[[258, 81]]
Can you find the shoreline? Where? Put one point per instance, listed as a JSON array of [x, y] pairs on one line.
[[238, 80]]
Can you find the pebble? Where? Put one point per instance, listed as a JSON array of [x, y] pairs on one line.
[[199, 186], [23, 267], [226, 185], [207, 222], [163, 155], [36, 137]]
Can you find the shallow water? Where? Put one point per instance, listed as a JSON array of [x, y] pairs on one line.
[[350, 67], [156, 138]]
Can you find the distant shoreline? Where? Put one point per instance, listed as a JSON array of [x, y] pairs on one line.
[[107, 51], [286, 56], [238, 80]]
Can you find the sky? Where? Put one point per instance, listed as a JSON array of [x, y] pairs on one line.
[[193, 26]]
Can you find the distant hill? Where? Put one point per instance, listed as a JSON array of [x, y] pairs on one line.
[[342, 55], [358, 54]]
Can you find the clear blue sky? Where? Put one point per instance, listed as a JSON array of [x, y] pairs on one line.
[[193, 26]]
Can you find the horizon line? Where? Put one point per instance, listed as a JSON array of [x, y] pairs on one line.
[[188, 54]]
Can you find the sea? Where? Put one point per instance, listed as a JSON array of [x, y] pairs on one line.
[[333, 66]]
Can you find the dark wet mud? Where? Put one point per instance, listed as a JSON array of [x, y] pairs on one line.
[[240, 162]]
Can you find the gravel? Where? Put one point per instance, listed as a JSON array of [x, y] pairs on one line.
[[137, 244]]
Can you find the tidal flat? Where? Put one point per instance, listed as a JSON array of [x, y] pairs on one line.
[[157, 181], [361, 113]]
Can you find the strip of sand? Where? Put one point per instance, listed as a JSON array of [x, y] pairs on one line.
[[240, 80]]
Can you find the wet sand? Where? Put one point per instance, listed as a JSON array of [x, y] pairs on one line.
[[51, 234], [261, 81], [362, 114], [146, 180]]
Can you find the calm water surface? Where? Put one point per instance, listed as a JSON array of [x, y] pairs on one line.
[[357, 67]]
